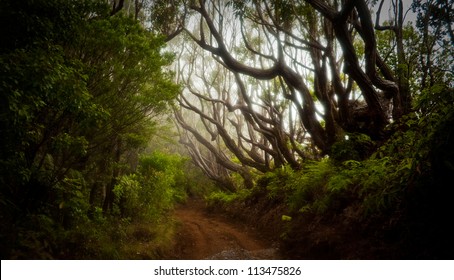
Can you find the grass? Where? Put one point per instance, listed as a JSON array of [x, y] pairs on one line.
[[148, 241]]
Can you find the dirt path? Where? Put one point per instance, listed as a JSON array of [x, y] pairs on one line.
[[208, 236]]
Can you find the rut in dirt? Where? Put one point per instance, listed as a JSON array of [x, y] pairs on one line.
[[204, 235]]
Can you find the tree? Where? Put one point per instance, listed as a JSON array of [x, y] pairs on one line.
[[402, 69], [305, 74], [434, 22], [80, 89], [246, 122]]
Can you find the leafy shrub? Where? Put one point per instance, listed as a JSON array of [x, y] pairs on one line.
[[309, 184], [154, 189], [219, 198], [356, 146], [276, 182]]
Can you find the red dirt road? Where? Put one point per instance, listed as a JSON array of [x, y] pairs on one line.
[[204, 235]]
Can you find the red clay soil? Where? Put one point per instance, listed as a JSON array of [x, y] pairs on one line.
[[204, 235]]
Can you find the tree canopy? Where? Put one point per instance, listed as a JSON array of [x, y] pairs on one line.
[[80, 94], [280, 82], [317, 103]]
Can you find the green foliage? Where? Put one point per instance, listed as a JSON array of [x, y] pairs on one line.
[[380, 182], [153, 190], [301, 190], [356, 146], [78, 93], [434, 25], [196, 183], [127, 193], [275, 182], [286, 218], [220, 198], [308, 186], [418, 154]]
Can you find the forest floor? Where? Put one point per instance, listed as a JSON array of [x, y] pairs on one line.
[[203, 234]]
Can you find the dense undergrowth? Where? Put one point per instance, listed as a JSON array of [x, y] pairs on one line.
[[367, 199], [84, 100], [84, 95], [139, 226]]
